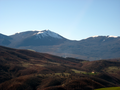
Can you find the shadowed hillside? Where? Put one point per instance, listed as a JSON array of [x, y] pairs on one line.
[[30, 70]]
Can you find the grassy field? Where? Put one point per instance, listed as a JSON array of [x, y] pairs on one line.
[[83, 72], [112, 69], [110, 88], [77, 71]]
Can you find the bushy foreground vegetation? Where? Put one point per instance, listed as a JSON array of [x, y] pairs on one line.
[[54, 82]]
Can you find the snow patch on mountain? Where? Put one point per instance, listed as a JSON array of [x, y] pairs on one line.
[[113, 36], [17, 33], [95, 36], [47, 33], [109, 36], [106, 36]]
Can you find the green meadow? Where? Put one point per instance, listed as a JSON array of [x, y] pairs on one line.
[[110, 88]]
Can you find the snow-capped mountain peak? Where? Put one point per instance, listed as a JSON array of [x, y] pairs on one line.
[[47, 33]]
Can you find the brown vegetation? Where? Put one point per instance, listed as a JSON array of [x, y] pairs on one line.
[[29, 70]]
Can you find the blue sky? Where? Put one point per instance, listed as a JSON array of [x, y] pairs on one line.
[[73, 19]]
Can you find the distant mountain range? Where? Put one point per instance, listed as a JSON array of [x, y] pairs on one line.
[[46, 41]]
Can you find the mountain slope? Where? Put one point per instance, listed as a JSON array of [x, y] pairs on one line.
[[103, 47], [4, 40], [37, 38], [37, 33], [92, 48]]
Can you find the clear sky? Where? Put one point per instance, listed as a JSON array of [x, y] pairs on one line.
[[73, 19]]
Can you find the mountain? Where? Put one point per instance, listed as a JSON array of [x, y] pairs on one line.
[[101, 46], [46, 41], [4, 40], [92, 48], [29, 70], [37, 38]]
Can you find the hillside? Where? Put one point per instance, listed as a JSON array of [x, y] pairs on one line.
[[30, 70]]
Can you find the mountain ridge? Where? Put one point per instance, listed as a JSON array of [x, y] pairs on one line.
[[46, 41], [42, 31]]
